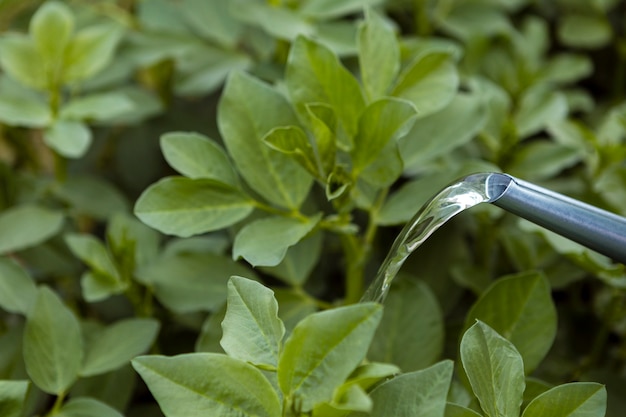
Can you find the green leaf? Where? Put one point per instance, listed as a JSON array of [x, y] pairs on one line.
[[117, 344], [201, 384], [291, 140], [91, 196], [90, 51], [381, 122], [299, 260], [567, 68], [411, 332], [429, 82], [53, 345], [396, 397], [264, 242], [189, 282], [584, 31], [315, 75], [26, 226], [98, 107], [379, 54], [17, 289], [279, 22], [69, 138], [323, 350], [328, 9], [441, 132], [87, 407], [51, 28], [539, 107], [212, 20], [13, 397], [247, 111], [576, 399], [20, 59], [197, 156], [383, 171], [185, 207], [542, 159], [347, 398], [252, 330], [128, 238], [22, 107], [495, 370], [294, 306], [521, 309], [456, 410], [323, 123]]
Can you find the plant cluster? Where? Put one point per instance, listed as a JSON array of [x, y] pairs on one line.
[[195, 194]]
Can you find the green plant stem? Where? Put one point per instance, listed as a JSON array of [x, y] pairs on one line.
[[422, 20], [60, 168], [58, 403]]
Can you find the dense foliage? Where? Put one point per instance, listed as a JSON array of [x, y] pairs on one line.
[[194, 195]]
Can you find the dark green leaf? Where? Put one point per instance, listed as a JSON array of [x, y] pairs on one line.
[[456, 410], [584, 31], [87, 407], [91, 196], [12, 398], [299, 260], [17, 289], [26, 226]]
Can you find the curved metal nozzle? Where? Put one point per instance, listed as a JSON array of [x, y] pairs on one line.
[[590, 226]]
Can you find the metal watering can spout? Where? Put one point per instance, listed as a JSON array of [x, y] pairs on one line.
[[590, 226]]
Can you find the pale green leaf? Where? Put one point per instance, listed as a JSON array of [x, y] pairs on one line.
[[379, 54], [128, 237], [117, 344], [185, 207], [584, 31], [252, 331], [280, 22], [87, 407], [20, 59], [294, 306], [211, 333], [53, 345], [17, 289], [495, 370], [13, 397], [323, 124], [91, 196], [383, 171], [291, 140], [315, 75], [247, 111], [347, 398], [567, 68], [197, 156], [201, 384], [51, 28], [538, 107], [26, 226], [519, 308], [429, 82], [20, 106], [211, 19], [542, 159], [416, 394], [381, 122], [69, 138], [264, 242], [299, 260], [90, 51], [92, 252], [189, 282], [328, 9], [576, 399], [323, 350], [411, 332], [97, 107]]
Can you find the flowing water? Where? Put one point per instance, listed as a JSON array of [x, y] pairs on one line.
[[452, 200]]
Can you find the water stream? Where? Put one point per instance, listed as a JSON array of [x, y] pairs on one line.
[[452, 200]]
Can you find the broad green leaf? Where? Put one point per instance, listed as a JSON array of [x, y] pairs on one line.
[[379, 54], [495, 370], [69, 138], [576, 399], [542, 159], [416, 394], [51, 28], [383, 171], [12, 398], [189, 282], [53, 345], [519, 308], [26, 226], [20, 59], [197, 156], [323, 350], [90, 51], [411, 332], [441, 132], [369, 374], [247, 111], [87, 407], [264, 242], [17, 289], [534, 388], [294, 306], [538, 107], [132, 241], [211, 332], [185, 207], [212, 20], [381, 122], [323, 125], [315, 75], [456, 410], [280, 22], [299, 260], [291, 140], [252, 331], [347, 398], [201, 384], [429, 82], [584, 31], [567, 68], [20, 106], [469, 20], [91, 196], [96, 286], [328, 9], [98, 107], [117, 344], [115, 388]]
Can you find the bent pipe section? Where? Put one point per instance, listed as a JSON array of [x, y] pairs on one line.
[[590, 226]]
